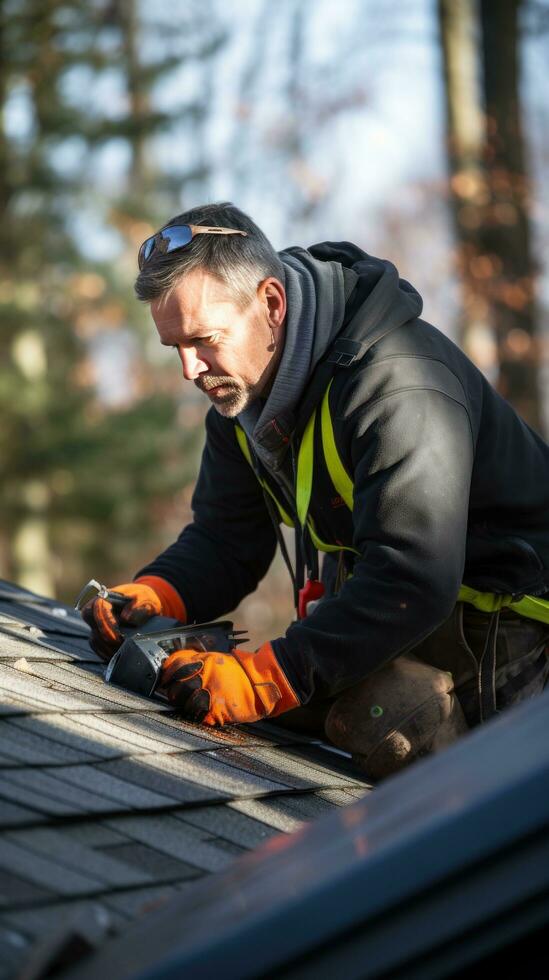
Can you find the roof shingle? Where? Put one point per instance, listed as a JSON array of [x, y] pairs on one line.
[[110, 803]]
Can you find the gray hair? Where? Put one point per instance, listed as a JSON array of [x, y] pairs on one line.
[[241, 263]]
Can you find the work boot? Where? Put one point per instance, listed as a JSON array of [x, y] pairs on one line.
[[401, 712]]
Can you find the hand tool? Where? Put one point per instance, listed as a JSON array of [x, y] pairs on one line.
[[93, 589], [137, 664]]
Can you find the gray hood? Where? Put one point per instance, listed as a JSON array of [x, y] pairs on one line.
[[332, 289]]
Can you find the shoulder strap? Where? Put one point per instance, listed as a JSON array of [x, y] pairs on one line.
[[242, 440], [344, 352], [338, 474], [274, 510]]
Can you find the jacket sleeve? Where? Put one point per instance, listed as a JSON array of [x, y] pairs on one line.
[[221, 556], [410, 455]]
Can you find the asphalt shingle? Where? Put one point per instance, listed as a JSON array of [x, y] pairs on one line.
[[48, 793], [98, 862], [176, 838], [23, 747], [110, 804]]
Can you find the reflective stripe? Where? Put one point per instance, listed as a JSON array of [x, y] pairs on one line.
[[305, 471], [243, 443], [529, 606], [338, 474], [321, 545], [533, 608], [305, 466], [304, 485]]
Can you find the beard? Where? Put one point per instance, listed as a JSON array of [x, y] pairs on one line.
[[234, 399]]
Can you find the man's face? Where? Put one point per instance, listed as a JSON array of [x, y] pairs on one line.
[[227, 352]]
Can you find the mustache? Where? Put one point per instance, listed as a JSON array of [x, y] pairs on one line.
[[207, 383]]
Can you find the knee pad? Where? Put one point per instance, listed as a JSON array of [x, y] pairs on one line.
[[403, 711]]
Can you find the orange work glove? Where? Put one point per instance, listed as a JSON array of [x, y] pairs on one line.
[[227, 688], [150, 595]]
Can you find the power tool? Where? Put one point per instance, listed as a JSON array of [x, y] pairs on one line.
[[137, 663]]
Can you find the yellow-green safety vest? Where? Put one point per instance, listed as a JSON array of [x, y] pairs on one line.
[[527, 605]]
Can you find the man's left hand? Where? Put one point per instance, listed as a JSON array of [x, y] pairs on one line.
[[227, 688]]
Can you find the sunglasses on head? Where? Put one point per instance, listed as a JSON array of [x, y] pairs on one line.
[[178, 236]]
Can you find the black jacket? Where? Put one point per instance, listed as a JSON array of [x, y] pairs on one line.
[[450, 486]]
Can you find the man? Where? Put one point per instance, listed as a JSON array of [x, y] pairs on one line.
[[334, 408]]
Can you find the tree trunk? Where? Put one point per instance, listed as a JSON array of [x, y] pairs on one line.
[[506, 230], [138, 96], [489, 195], [467, 185]]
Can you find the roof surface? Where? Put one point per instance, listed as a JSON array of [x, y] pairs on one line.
[[109, 803], [443, 872]]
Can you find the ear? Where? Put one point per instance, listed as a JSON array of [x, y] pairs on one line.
[[272, 295]]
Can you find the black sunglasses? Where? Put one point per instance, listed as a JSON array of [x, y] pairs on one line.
[[178, 236]]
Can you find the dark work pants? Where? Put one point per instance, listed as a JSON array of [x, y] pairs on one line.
[[469, 669], [463, 645]]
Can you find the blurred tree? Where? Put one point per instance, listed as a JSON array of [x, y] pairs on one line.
[[87, 480], [468, 192], [154, 54], [489, 190], [38, 347], [506, 230]]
